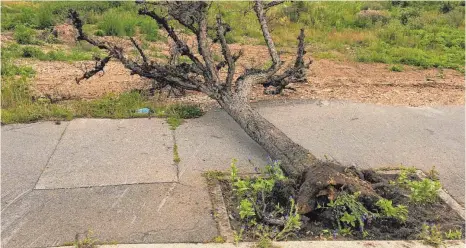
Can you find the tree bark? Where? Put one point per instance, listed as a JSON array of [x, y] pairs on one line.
[[295, 159]]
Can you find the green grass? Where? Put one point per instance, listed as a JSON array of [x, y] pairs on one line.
[[19, 106], [78, 53], [424, 34]]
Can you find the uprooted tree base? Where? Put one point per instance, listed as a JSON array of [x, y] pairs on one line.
[[321, 223], [311, 178]]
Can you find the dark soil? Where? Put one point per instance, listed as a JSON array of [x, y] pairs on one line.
[[320, 224]]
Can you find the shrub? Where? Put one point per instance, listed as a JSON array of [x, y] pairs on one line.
[[45, 19], [118, 23], [24, 35], [99, 33], [32, 52], [150, 28], [397, 68]]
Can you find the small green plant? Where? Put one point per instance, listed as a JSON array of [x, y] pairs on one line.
[[99, 32], [292, 224], [431, 235], [174, 122], [397, 68], [347, 231], [246, 209], [88, 241], [349, 212], [349, 219], [24, 35], [219, 239], [185, 111], [176, 156], [238, 236], [264, 242], [399, 212], [254, 197], [424, 191], [453, 234]]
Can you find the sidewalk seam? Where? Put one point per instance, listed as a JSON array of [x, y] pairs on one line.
[[51, 155]]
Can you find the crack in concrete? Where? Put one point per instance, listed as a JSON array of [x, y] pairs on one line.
[[176, 162], [103, 186], [51, 155]]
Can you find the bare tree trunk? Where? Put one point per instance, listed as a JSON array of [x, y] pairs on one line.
[[295, 159]]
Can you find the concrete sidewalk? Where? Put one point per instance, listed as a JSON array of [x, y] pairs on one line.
[[118, 179]]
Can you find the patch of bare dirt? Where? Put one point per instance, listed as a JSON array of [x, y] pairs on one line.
[[58, 79], [361, 82]]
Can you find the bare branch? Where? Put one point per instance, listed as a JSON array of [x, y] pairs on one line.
[[144, 57], [100, 65], [272, 3], [258, 8], [183, 48], [226, 53], [224, 63], [181, 76], [293, 74]]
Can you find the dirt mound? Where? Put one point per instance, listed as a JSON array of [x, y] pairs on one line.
[[66, 33]]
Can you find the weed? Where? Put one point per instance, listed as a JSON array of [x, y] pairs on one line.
[[453, 235], [174, 122], [237, 237], [184, 111], [219, 239], [87, 242], [431, 235], [254, 197], [99, 33], [347, 231], [176, 155], [433, 174], [265, 242], [213, 174], [399, 212], [25, 35], [423, 191], [349, 212], [397, 68]]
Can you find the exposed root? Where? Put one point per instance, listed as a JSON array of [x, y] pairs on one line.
[[329, 179]]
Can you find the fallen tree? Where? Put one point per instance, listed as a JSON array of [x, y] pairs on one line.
[[313, 178]]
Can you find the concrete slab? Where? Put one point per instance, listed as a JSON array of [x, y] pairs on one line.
[[121, 214], [374, 136], [211, 142], [98, 152], [25, 152]]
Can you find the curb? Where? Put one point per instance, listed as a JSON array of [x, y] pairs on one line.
[[293, 244]]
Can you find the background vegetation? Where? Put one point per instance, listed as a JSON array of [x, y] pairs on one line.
[[424, 34]]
